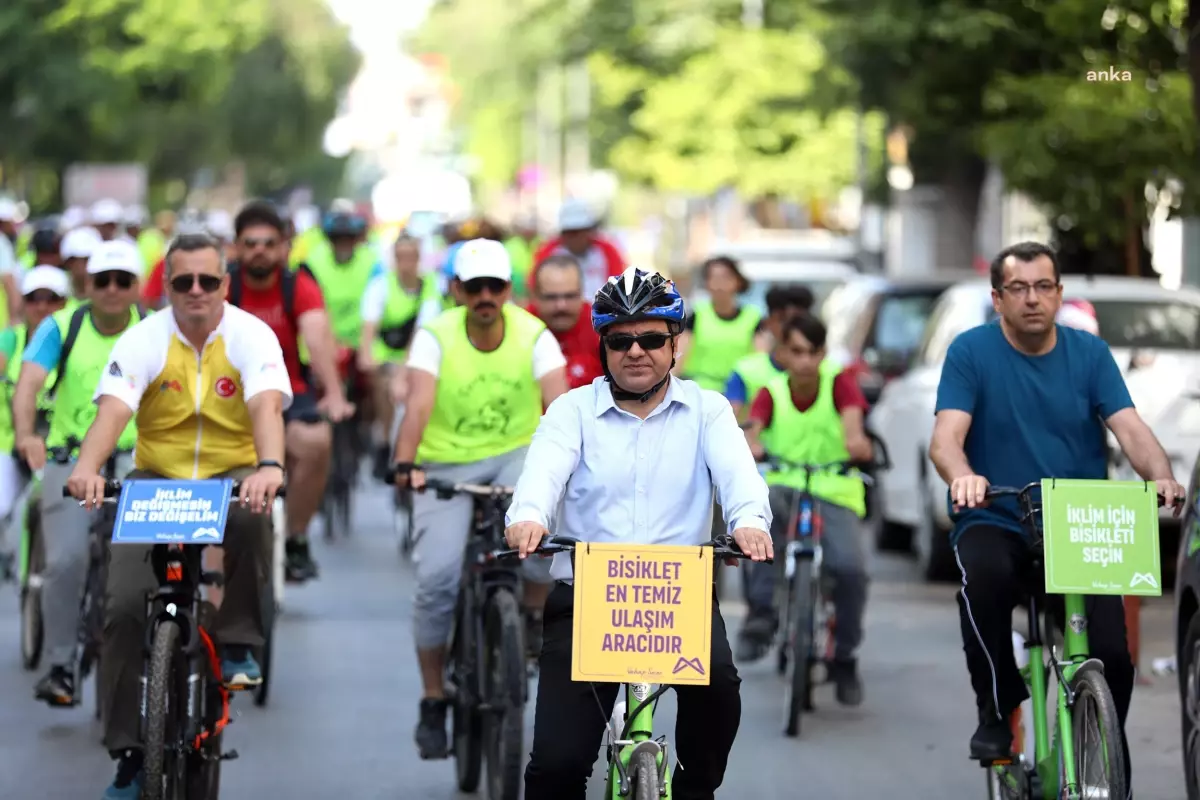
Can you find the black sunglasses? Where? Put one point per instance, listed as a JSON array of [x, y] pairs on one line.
[[101, 280], [477, 285], [623, 342], [43, 296], [182, 284]]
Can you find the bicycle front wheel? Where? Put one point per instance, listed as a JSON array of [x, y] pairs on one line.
[[504, 724], [645, 777], [165, 764], [802, 605], [1098, 756]]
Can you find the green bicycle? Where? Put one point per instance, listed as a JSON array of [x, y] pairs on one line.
[[638, 761], [1083, 759]]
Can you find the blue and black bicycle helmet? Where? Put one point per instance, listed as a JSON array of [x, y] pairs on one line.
[[340, 225], [630, 297], [636, 295]]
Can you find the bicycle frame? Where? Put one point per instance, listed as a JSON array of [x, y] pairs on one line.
[[1051, 757], [636, 735]]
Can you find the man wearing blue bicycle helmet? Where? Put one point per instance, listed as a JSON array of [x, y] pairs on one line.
[[638, 455], [344, 269]]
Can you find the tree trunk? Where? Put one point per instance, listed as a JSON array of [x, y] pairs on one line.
[[1193, 48]]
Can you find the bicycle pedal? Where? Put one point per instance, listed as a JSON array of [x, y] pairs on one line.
[[995, 762], [229, 755]]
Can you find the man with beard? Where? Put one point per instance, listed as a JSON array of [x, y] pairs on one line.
[[479, 376], [290, 302], [558, 301]]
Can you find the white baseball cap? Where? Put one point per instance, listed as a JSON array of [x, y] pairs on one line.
[[118, 255], [219, 224], [46, 277], [106, 212], [8, 210], [482, 258], [79, 243], [135, 215], [72, 218], [575, 216]]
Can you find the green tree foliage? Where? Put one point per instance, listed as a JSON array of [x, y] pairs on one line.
[[176, 85]]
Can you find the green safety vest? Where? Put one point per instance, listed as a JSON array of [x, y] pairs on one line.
[[757, 371], [487, 404], [343, 286], [401, 313], [151, 245], [12, 372], [74, 409], [718, 344], [815, 436]]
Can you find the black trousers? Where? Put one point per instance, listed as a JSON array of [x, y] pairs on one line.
[[997, 575], [569, 723]]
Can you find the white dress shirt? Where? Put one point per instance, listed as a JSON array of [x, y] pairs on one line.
[[624, 479]]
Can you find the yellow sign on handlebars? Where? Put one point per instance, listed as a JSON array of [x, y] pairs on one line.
[[643, 614]]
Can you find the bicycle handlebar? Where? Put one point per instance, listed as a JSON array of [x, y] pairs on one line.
[[1023, 493], [723, 547], [112, 490], [447, 489]]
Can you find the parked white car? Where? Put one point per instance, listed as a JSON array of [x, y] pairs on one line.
[[1137, 317]]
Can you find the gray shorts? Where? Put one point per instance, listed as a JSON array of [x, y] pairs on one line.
[[442, 527]]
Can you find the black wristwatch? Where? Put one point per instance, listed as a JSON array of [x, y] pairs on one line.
[[273, 463]]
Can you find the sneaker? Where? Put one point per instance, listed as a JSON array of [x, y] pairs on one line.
[[847, 685], [127, 785], [992, 739], [756, 635], [533, 634], [299, 565], [239, 670], [57, 688], [431, 730]]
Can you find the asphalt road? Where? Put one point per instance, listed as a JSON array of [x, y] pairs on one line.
[[344, 703]]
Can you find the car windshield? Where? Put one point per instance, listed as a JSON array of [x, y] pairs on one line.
[[901, 319], [1151, 324], [1160, 325]]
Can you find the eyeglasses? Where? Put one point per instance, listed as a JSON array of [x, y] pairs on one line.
[[250, 243], [182, 284], [566, 297], [101, 280], [43, 296], [477, 285], [623, 342], [1043, 288]]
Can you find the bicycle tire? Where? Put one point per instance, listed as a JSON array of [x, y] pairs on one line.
[[799, 644], [263, 690], [32, 622], [644, 770], [1089, 684], [467, 743], [163, 701], [506, 676]]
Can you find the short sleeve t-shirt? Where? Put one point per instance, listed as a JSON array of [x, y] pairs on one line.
[[267, 305], [846, 394], [1032, 417]]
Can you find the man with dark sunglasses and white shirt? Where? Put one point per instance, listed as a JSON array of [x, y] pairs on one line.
[[479, 376], [636, 457], [75, 342]]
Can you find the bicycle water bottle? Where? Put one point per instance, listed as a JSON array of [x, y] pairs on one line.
[[1023, 736]]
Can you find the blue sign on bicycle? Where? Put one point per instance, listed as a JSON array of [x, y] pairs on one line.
[[172, 512]]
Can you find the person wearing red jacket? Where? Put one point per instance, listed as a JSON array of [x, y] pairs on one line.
[[599, 259], [558, 301]]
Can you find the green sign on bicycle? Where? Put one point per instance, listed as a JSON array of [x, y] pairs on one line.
[[1101, 537]]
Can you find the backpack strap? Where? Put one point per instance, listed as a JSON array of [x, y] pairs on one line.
[[235, 286], [287, 287], [72, 334]]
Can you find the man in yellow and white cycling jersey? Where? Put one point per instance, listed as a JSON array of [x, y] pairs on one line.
[[479, 376], [75, 345], [208, 385]]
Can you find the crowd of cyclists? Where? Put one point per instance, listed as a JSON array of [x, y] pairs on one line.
[[234, 345]]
